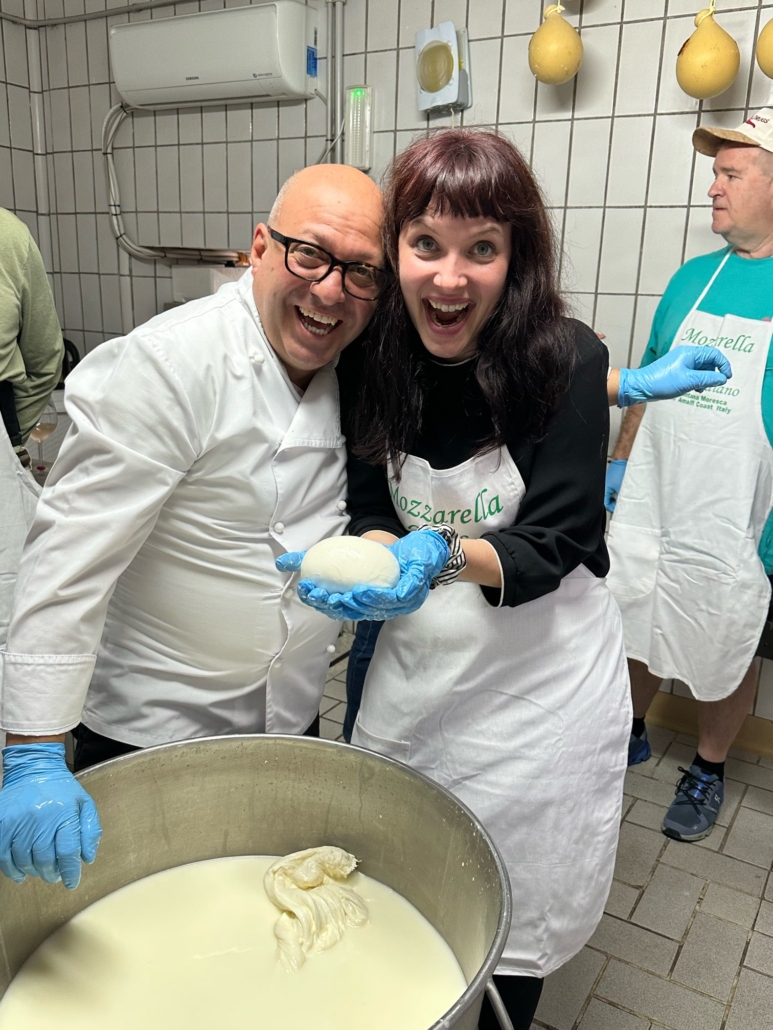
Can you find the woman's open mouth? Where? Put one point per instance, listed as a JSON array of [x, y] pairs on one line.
[[444, 315], [315, 322]]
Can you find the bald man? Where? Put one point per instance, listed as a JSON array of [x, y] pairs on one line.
[[204, 445]]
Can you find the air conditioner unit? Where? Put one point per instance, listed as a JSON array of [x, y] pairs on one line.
[[254, 54]]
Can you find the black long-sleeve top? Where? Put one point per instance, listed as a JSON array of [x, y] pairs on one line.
[[560, 521]]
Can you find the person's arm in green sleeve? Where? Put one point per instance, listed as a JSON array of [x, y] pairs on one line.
[[40, 343]]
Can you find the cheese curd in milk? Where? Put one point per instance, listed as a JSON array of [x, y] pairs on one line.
[[194, 948]]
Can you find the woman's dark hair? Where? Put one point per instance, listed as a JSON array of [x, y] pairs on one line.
[[525, 351]]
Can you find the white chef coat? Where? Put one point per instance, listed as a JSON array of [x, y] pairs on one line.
[[192, 464]]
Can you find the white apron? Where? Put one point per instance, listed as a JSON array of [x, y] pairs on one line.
[[18, 499], [524, 713], [697, 493]]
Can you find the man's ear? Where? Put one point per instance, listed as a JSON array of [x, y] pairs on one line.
[[260, 243]]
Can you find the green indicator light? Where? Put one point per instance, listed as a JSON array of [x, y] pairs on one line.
[[359, 92]]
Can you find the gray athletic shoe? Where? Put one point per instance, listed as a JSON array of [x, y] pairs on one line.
[[694, 810]]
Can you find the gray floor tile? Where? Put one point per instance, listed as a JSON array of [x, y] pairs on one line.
[[711, 956], [628, 803], [634, 944], [567, 990], [668, 903], [648, 789], [657, 999], [764, 922], [335, 689], [751, 838], [645, 813], [758, 799], [769, 888], [766, 761], [725, 903], [327, 706], [752, 1007], [600, 1016], [760, 954], [715, 840], [667, 769], [743, 756], [755, 775], [329, 730], [637, 853], [622, 898], [734, 792], [719, 868]]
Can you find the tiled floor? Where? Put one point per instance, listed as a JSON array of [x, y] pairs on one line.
[[687, 939]]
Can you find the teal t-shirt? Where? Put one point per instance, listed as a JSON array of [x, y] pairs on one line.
[[744, 287]]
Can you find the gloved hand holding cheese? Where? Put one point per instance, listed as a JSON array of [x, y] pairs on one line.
[[342, 562]]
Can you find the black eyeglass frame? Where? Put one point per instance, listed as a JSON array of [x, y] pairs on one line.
[[335, 262]]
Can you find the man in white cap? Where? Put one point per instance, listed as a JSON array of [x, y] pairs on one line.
[[691, 541]]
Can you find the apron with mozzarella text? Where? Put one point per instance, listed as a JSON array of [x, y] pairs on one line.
[[523, 713], [683, 542]]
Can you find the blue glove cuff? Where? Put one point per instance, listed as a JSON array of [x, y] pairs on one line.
[[18, 757], [624, 398]]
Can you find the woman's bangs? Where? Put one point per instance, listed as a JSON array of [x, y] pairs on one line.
[[459, 184]]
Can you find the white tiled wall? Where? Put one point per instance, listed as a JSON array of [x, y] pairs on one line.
[[612, 148]]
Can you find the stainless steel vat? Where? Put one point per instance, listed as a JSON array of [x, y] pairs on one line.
[[270, 795]]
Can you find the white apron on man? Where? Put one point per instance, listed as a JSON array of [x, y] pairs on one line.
[[684, 538], [523, 713], [18, 499]]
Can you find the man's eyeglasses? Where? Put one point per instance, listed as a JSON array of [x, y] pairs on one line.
[[313, 263]]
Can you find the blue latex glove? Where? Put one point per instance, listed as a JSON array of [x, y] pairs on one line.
[[420, 557], [615, 473], [290, 562], [48, 822], [676, 373]]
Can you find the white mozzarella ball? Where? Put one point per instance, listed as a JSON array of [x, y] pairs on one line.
[[342, 562]]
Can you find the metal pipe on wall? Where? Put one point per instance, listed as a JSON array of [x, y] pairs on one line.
[[338, 153], [330, 116]]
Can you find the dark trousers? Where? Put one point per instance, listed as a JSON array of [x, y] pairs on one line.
[[364, 642], [92, 748], [520, 995]]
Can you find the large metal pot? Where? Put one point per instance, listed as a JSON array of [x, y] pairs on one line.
[[270, 795]]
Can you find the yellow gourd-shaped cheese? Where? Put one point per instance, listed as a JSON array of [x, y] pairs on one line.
[[555, 50], [765, 50], [709, 61]]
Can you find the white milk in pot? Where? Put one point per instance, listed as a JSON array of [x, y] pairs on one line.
[[196, 947]]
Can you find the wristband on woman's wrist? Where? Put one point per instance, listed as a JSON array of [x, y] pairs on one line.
[[457, 559]]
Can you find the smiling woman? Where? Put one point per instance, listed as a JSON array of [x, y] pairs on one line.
[[479, 412]]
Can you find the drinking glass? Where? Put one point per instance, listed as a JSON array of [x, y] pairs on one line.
[[45, 426]]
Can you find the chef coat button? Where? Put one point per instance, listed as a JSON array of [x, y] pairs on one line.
[[279, 527], [331, 649], [341, 505], [257, 359]]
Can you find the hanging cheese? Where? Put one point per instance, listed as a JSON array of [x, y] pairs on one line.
[[709, 61], [555, 49], [765, 50]]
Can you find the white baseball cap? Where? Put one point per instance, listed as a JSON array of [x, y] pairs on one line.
[[757, 131]]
